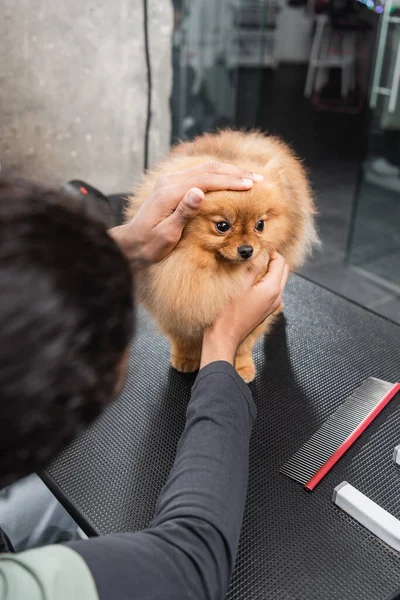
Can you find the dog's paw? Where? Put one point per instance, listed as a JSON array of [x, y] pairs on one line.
[[245, 366], [247, 372], [279, 310], [184, 364]]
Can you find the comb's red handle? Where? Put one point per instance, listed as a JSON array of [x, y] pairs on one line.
[[332, 460]]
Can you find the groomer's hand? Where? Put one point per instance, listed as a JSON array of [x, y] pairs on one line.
[[176, 199], [243, 315]]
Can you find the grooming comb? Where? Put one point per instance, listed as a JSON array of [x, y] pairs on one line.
[[321, 452]]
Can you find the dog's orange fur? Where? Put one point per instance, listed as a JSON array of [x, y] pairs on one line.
[[190, 288]]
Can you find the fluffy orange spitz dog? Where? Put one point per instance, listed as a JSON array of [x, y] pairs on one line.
[[189, 289]]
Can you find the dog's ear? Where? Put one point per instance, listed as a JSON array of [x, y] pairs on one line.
[[285, 183], [279, 175], [284, 179], [288, 184]]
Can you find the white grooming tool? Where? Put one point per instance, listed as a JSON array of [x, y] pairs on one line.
[[368, 513], [396, 455]]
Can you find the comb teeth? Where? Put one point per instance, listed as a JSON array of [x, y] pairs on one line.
[[318, 455]]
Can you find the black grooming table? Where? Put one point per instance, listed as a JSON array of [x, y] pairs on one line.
[[295, 545]]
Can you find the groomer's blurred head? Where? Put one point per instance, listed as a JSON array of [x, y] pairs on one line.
[[66, 319]]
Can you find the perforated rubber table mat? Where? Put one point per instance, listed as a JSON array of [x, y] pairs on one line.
[[294, 545]]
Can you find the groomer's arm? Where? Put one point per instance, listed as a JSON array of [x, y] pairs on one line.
[[189, 551]]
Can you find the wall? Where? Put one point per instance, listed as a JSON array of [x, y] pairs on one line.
[[73, 89]]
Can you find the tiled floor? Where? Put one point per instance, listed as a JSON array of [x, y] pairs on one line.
[[332, 146]]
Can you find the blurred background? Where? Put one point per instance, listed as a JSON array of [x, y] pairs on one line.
[[324, 75]]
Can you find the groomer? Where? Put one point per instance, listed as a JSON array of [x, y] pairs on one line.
[[65, 325]]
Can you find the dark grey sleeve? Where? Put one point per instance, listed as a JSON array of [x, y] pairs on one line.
[[190, 548]]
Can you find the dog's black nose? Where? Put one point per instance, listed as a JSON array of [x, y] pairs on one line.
[[245, 251]]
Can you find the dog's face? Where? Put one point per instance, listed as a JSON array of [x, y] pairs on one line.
[[236, 226]]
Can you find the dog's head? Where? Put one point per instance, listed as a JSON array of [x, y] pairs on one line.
[[237, 226]]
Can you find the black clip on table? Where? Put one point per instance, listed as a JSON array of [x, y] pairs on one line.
[[294, 545]]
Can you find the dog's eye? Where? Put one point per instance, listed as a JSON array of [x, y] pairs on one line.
[[222, 226], [260, 226]]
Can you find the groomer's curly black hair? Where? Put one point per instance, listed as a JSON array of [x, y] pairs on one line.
[[66, 318]]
